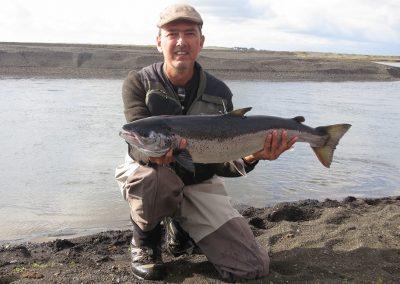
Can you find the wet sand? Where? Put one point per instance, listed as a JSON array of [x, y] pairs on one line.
[[355, 240], [115, 61]]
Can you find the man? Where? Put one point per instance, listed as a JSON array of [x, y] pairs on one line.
[[162, 188]]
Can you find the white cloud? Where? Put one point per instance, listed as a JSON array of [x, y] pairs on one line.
[[118, 21], [371, 20], [338, 25], [357, 26]]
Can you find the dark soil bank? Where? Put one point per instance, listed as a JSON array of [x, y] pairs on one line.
[[115, 61], [356, 241]]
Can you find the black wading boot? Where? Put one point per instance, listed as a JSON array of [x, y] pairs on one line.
[[178, 241], [146, 254]]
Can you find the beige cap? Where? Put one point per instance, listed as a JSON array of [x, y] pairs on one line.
[[179, 12]]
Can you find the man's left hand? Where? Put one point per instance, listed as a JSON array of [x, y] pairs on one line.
[[273, 148]]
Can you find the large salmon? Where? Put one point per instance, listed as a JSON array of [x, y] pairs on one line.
[[224, 137]]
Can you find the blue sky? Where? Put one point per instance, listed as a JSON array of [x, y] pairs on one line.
[[345, 26]]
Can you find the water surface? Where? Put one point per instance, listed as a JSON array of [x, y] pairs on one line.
[[60, 145], [394, 64]]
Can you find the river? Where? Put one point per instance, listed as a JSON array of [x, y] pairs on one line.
[[60, 145]]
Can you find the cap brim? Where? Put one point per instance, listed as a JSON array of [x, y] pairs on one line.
[[196, 21]]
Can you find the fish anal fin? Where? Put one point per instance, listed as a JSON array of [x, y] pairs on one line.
[[239, 112], [299, 119]]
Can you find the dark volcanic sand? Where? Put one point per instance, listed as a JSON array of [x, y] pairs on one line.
[[356, 241], [115, 61]]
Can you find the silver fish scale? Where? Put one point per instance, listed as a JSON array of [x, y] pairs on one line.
[[232, 148], [227, 149]]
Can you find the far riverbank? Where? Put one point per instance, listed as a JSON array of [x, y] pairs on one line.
[[114, 61]]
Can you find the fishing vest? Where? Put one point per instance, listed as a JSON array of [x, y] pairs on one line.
[[212, 97]]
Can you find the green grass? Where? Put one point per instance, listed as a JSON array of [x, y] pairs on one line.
[[40, 265], [19, 269]]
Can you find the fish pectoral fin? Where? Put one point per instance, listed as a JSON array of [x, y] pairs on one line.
[[239, 112], [184, 158], [239, 166]]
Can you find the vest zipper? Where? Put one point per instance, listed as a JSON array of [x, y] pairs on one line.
[[200, 90]]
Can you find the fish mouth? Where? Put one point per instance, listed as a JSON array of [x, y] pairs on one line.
[[130, 137]]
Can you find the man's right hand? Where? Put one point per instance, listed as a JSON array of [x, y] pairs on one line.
[[168, 157]]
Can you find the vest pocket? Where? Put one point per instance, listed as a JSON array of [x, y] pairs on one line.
[[208, 105], [159, 103]]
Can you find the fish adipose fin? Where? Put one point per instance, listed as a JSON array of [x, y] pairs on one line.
[[184, 158], [239, 112], [335, 133], [299, 119]]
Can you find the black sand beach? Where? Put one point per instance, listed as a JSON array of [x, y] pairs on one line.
[[355, 240]]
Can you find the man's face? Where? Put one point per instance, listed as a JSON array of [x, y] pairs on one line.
[[180, 42]]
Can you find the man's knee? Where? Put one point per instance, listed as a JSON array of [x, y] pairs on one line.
[[234, 251], [251, 265], [262, 269]]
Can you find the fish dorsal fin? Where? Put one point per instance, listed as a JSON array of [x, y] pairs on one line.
[[239, 112], [299, 119]]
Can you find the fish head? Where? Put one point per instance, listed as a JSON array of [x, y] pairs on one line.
[[150, 136]]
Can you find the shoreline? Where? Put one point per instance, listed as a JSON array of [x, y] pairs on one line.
[[29, 60], [356, 240]]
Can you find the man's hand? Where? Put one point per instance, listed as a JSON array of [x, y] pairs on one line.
[[272, 148], [168, 158]]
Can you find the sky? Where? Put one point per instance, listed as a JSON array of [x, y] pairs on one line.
[[342, 26]]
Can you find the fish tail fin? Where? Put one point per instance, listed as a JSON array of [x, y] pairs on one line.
[[335, 133]]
